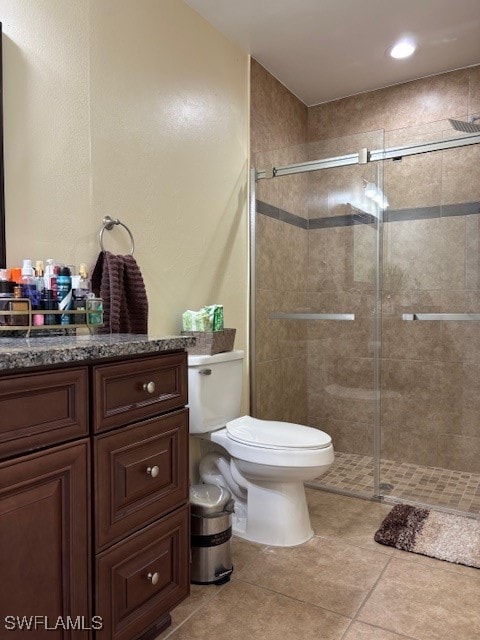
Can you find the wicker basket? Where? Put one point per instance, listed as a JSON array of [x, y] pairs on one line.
[[208, 343]]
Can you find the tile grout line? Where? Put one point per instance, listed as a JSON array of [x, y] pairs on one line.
[[195, 611], [369, 594]]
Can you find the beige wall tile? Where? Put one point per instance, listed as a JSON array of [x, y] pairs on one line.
[[430, 253], [413, 103], [267, 345], [295, 389], [269, 390], [474, 91], [461, 175], [278, 118], [269, 236], [459, 452], [415, 181]]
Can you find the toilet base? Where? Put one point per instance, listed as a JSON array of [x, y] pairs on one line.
[[277, 515]]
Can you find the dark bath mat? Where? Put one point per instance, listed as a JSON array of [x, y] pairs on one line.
[[432, 533]]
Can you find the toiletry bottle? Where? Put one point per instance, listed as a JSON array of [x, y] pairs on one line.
[[6, 294], [40, 277], [29, 283], [38, 318], [18, 305], [51, 272], [64, 293], [50, 303], [81, 289]]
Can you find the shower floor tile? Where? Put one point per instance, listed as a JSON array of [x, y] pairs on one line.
[[436, 487]]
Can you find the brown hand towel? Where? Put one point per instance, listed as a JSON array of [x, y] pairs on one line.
[[118, 280]]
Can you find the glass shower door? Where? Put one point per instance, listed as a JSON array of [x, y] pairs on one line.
[[430, 368], [315, 299]]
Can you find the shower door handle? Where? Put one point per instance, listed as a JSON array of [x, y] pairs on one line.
[[448, 317], [277, 315]]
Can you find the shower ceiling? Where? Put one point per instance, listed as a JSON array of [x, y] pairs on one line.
[[323, 50]]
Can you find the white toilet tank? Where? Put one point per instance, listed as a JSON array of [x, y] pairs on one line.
[[214, 390]]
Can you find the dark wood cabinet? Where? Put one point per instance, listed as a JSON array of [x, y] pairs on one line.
[[140, 473], [126, 392], [143, 576], [94, 525], [39, 409], [44, 540]]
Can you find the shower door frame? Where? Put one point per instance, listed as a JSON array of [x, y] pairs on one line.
[[363, 156]]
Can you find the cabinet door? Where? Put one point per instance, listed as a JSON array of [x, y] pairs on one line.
[[140, 579], [44, 533], [141, 473]]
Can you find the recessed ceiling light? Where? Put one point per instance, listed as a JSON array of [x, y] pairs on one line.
[[402, 49]]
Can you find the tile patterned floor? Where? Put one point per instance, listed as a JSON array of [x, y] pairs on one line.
[[340, 585], [429, 485]]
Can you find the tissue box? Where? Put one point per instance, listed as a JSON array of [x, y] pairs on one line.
[[208, 343]]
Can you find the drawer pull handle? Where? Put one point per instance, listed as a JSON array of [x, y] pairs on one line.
[[154, 577], [149, 387], [153, 471], [205, 372]]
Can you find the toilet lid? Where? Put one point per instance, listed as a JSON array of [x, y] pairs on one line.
[[271, 434]]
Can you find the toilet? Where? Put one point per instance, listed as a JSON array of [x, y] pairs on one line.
[[263, 463]]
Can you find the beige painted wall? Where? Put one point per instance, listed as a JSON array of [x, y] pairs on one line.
[[138, 109]]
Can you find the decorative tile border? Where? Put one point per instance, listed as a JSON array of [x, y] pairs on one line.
[[361, 217]]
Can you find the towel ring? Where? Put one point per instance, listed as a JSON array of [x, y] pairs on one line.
[[108, 223]]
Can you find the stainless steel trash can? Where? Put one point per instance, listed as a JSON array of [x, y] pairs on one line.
[[211, 510]]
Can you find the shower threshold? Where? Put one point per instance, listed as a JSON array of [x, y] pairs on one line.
[[353, 474]]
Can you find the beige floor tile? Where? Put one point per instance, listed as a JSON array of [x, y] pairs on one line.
[[437, 564], [199, 596], [360, 631], [348, 519], [425, 602], [243, 553], [242, 611], [324, 572]]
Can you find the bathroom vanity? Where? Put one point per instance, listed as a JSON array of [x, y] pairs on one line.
[[93, 485]]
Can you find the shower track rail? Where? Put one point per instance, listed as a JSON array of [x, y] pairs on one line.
[[364, 156], [277, 315]]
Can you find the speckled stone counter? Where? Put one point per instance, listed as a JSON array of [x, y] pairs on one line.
[[18, 353]]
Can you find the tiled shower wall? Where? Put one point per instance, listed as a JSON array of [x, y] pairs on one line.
[[322, 373], [279, 121]]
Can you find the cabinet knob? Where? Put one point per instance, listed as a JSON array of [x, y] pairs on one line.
[[149, 387], [153, 577], [153, 471]]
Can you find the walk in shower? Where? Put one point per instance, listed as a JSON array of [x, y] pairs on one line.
[[366, 307]]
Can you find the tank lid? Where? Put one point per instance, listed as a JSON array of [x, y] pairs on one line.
[[208, 499], [226, 356]]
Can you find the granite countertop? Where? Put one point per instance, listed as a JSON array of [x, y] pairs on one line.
[[17, 353]]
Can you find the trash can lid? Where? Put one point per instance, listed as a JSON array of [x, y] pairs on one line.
[[207, 499]]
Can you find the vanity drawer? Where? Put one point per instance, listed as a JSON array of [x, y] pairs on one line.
[[140, 579], [130, 391], [140, 474], [42, 408]]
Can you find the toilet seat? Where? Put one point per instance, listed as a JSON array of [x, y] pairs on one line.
[[279, 456], [272, 434]]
